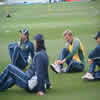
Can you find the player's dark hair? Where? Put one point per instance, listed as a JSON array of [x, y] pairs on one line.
[[27, 37], [40, 45]]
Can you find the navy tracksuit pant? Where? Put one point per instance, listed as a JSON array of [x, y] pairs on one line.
[[73, 66]]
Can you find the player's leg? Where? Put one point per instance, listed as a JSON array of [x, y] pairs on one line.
[[21, 62], [90, 73], [19, 76], [11, 47], [77, 67], [97, 75], [7, 84], [92, 68], [15, 55], [73, 66], [4, 76], [18, 58], [63, 54]]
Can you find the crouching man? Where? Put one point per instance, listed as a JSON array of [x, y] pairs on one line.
[[36, 78], [72, 55], [94, 60]]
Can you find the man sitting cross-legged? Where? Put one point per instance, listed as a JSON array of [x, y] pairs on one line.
[[94, 60], [72, 55]]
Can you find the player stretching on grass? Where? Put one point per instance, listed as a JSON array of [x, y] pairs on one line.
[[72, 55], [94, 60], [36, 77], [20, 52]]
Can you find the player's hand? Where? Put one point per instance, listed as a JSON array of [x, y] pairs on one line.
[[60, 62], [40, 93], [90, 61]]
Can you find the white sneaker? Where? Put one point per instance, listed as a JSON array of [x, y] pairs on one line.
[[88, 76], [56, 68], [63, 70]]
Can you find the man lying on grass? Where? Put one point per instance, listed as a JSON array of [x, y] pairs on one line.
[[94, 60], [36, 78], [72, 55]]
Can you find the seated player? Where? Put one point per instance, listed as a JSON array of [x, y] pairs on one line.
[[72, 55], [20, 52], [94, 60], [36, 78]]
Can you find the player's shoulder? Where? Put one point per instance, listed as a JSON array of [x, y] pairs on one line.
[[30, 43], [41, 53], [38, 55], [98, 47], [76, 39]]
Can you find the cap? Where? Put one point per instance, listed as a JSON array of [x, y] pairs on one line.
[[38, 37], [25, 31], [97, 36]]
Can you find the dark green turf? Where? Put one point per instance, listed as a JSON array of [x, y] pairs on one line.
[[83, 18]]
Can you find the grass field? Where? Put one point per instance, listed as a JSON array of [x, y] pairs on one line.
[[83, 18]]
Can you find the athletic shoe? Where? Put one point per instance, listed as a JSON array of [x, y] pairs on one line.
[[88, 76], [56, 68], [63, 70]]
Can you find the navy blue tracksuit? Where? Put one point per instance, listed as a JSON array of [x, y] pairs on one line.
[[19, 57], [73, 65], [96, 62], [39, 67]]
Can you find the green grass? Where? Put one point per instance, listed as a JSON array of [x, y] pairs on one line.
[[83, 18]]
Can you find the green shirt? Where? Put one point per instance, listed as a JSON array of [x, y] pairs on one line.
[[76, 51]]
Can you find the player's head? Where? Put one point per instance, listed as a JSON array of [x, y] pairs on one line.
[[98, 38], [39, 42], [68, 36], [24, 34]]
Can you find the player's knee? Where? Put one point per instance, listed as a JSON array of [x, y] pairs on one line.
[[9, 66], [65, 50], [9, 45]]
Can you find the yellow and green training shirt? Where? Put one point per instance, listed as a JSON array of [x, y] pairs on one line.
[[76, 51]]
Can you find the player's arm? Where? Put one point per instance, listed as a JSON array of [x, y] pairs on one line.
[[75, 48], [32, 50], [94, 53]]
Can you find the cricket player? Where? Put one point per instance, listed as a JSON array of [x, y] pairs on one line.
[[72, 55], [20, 52], [35, 78], [94, 60]]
